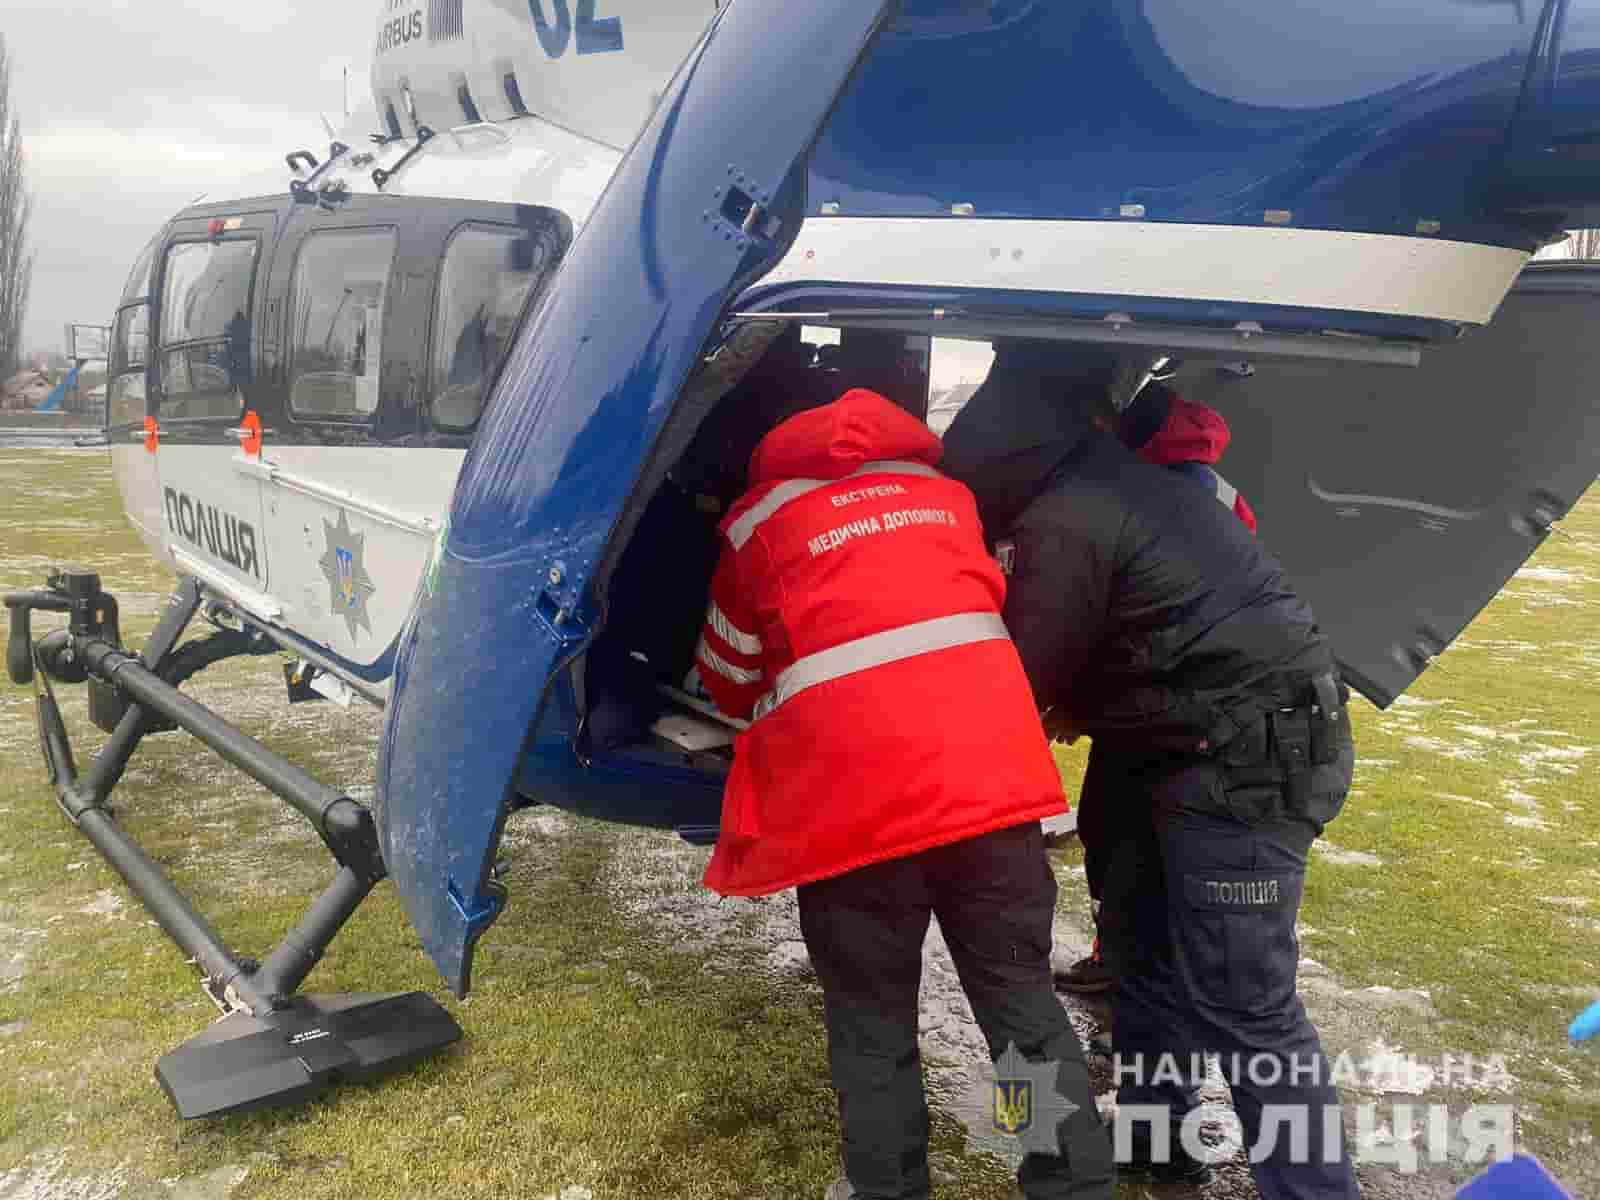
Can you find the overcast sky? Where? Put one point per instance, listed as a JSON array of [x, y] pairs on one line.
[[130, 108]]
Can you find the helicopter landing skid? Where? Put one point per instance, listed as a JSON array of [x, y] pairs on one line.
[[271, 1047]]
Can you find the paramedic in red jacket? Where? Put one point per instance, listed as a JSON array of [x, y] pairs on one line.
[[1166, 430], [894, 768]]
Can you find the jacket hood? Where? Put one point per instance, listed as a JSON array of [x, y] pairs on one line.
[[1010, 437], [836, 439], [1163, 428]]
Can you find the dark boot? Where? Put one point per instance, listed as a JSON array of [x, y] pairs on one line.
[[1180, 1167]]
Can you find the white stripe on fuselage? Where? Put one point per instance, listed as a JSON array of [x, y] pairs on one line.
[[1387, 274]]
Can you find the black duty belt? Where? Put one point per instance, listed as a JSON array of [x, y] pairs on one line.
[[1309, 730], [1296, 737]]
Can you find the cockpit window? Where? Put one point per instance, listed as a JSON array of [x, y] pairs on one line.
[[488, 275], [138, 285], [205, 328], [130, 339], [341, 281]]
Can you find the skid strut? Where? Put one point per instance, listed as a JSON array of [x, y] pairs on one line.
[[271, 1047]]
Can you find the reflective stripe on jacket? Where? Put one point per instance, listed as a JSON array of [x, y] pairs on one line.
[[1227, 495], [855, 619]]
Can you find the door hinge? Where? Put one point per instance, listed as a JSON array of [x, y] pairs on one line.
[[557, 606]]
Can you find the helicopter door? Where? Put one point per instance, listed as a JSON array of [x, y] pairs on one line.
[[204, 378], [133, 450], [1401, 501], [350, 510], [698, 207]]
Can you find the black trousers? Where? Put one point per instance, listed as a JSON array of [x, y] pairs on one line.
[[1200, 870], [995, 899]]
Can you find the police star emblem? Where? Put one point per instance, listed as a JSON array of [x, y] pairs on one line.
[[1014, 1108], [346, 573]]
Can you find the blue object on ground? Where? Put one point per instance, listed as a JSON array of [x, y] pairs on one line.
[[52, 402], [1587, 1024], [1519, 1177]]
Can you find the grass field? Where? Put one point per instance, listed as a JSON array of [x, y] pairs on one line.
[[629, 1035], [27, 419]]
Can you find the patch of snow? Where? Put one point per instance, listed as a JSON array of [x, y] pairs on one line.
[[1389, 1071], [1551, 754], [1341, 857], [1465, 800], [1550, 575], [213, 1185], [1541, 599], [44, 1177], [1490, 733], [15, 950], [106, 903], [540, 822], [1525, 822], [1444, 749]]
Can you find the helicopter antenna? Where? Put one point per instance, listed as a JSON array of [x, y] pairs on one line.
[[347, 93], [327, 125]]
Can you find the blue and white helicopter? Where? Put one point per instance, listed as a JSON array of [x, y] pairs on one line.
[[447, 413]]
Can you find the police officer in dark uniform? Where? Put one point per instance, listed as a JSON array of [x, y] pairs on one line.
[[1154, 622]]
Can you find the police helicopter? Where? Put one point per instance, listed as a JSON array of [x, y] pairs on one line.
[[447, 412]]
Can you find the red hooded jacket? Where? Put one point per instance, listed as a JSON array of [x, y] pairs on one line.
[[1163, 428], [855, 618]]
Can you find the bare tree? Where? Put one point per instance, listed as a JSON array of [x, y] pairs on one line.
[[16, 262]]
